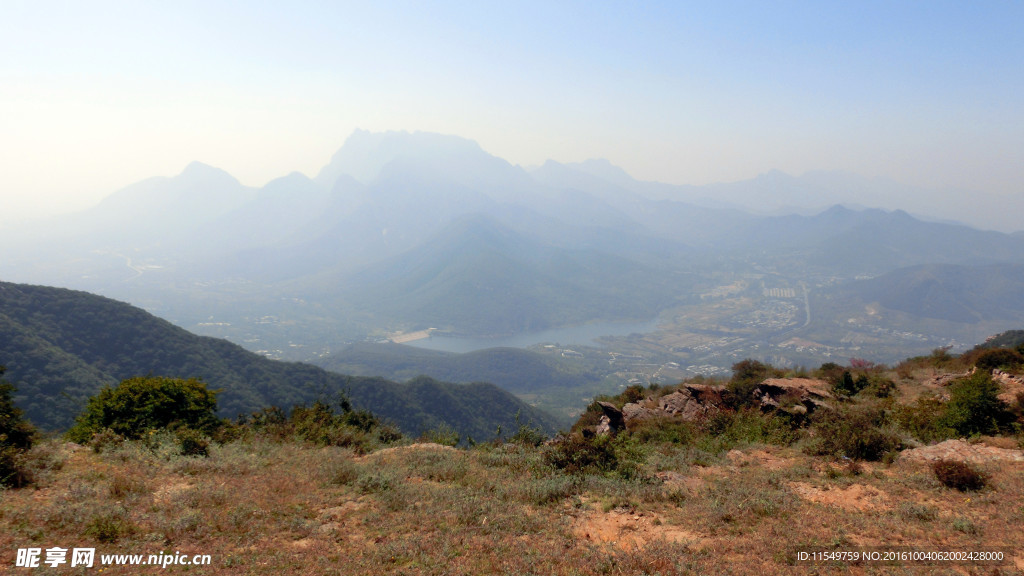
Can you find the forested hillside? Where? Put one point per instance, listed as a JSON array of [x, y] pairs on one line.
[[61, 346]]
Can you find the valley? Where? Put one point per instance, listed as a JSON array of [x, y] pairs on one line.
[[426, 240]]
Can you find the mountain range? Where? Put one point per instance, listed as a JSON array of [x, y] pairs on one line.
[[407, 231]]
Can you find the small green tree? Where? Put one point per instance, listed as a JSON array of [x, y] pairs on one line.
[[140, 404], [974, 406], [16, 435], [746, 375], [999, 358]]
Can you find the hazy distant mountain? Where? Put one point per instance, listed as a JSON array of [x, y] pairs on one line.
[[60, 346], [778, 193], [875, 241], [479, 277], [963, 294], [416, 229], [366, 157], [513, 369], [163, 213]]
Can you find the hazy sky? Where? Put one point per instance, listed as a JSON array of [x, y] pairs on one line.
[[97, 95]]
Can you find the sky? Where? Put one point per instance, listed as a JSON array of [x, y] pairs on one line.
[[97, 95]]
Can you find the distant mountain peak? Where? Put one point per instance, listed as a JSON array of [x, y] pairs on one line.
[[604, 169], [200, 172], [365, 154]]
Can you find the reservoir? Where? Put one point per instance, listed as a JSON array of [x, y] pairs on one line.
[[584, 335]]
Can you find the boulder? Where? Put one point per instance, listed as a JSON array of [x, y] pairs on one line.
[[689, 403], [637, 412], [684, 404], [1011, 386], [612, 421], [794, 395]]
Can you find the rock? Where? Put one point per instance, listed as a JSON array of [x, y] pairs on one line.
[[1011, 386], [943, 380], [963, 451], [793, 395], [689, 403], [612, 421], [684, 404], [635, 412]]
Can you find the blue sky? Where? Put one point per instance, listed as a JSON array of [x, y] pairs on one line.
[[97, 95]]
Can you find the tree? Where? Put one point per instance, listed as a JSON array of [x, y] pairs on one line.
[[974, 406], [999, 358], [138, 405], [746, 375], [16, 435]]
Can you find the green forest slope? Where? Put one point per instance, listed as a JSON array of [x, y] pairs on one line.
[[61, 346]]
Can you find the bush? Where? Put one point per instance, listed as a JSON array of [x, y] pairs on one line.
[[665, 430], [357, 429], [105, 440], [443, 434], [16, 437], [577, 455], [924, 419], [192, 443], [974, 406], [138, 405], [847, 386], [634, 393], [746, 375], [998, 358], [857, 433], [727, 429], [959, 475]]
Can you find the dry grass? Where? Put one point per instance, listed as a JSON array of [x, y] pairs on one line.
[[285, 508]]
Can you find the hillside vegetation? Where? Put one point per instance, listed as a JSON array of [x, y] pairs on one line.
[[747, 473], [62, 346]]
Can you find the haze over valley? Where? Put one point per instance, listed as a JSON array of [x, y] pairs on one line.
[[427, 239]]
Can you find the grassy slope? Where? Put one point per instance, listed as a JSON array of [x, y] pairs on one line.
[[739, 499], [264, 508]]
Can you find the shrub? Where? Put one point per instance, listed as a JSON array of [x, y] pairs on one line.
[[857, 433], [192, 443], [974, 406], [959, 475], [727, 429], [104, 440], [664, 430], [746, 375], [108, 526], [528, 436], [998, 358], [847, 386], [916, 511], [442, 434], [634, 393], [962, 524], [138, 405], [16, 437], [880, 387], [575, 454], [924, 419]]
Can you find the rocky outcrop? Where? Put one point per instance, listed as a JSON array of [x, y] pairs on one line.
[[794, 395], [690, 403], [963, 451], [612, 421], [1011, 386], [945, 379], [697, 402]]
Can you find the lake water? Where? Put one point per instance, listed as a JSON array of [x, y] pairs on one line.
[[585, 335]]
